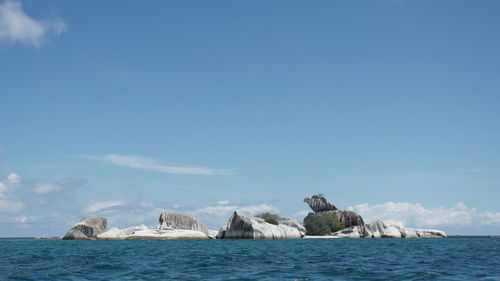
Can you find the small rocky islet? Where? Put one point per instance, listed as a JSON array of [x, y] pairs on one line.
[[345, 224]]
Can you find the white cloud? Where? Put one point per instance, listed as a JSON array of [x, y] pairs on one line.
[[8, 203], [42, 188], [103, 205], [223, 202], [13, 179], [125, 213], [301, 215], [144, 163], [416, 215], [255, 209], [16, 26]]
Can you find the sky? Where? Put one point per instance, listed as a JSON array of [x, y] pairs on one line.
[[125, 109]]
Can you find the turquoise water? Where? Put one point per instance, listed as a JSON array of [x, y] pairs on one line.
[[295, 259]]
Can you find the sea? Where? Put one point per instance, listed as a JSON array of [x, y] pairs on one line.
[[453, 258]]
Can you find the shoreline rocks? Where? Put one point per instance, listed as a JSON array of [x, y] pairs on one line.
[[171, 220], [242, 226], [355, 226], [381, 229], [87, 228]]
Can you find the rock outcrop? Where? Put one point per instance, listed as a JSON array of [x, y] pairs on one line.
[[356, 227], [117, 233], [294, 224], [241, 226], [171, 226], [87, 228], [143, 232], [322, 207], [171, 220], [319, 204], [380, 229]]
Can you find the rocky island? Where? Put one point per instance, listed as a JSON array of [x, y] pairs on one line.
[[348, 224], [326, 221]]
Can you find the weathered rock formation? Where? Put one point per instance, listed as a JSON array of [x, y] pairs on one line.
[[241, 226], [117, 233], [171, 226], [294, 224], [87, 228], [171, 220], [320, 204], [380, 229], [356, 228], [322, 207]]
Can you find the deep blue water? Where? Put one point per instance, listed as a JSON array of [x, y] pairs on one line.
[[295, 259]]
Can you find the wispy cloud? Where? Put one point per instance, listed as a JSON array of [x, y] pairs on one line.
[[149, 164], [416, 215], [102, 205], [17, 26], [481, 171], [59, 185]]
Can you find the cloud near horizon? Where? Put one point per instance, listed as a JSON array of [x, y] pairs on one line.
[[16, 26], [416, 215], [149, 164], [8, 203]]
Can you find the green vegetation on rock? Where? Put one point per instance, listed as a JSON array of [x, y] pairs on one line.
[[322, 224], [269, 218], [318, 196]]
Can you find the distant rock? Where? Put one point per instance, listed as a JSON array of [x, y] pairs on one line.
[[319, 204], [351, 218], [167, 234], [380, 229], [347, 218], [391, 232], [171, 220], [87, 228], [294, 224], [241, 226], [171, 226], [116, 233], [322, 207]]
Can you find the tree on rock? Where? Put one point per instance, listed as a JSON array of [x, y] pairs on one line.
[[323, 224]]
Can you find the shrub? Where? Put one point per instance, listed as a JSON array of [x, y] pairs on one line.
[[322, 224], [318, 196], [269, 218]]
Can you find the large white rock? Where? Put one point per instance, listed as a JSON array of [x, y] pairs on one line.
[[116, 233], [168, 234], [241, 226], [171, 220], [386, 229], [374, 229], [294, 224], [350, 232], [87, 228], [143, 232], [391, 232], [171, 226]]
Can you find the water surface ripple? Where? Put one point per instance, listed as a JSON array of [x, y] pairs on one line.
[[295, 259]]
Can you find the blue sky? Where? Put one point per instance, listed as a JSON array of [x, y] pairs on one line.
[[124, 109]]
